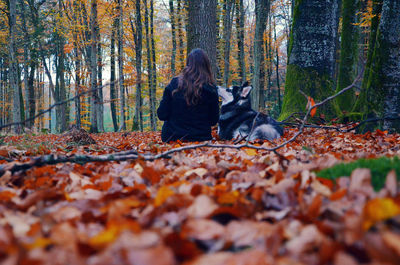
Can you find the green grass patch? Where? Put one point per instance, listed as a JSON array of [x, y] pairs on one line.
[[379, 167]]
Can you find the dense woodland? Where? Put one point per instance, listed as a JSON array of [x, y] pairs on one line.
[[115, 57]]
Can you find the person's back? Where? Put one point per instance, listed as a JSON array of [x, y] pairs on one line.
[[189, 108]]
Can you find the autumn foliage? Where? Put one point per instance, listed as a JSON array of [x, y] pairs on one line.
[[199, 206]]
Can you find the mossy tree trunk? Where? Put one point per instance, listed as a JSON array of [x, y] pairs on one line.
[[361, 101], [348, 55], [311, 55], [382, 94]]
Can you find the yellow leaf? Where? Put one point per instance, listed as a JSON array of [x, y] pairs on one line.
[[378, 210], [40, 242], [105, 237], [250, 151], [162, 195]]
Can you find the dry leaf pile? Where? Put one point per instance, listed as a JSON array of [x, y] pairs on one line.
[[202, 206]]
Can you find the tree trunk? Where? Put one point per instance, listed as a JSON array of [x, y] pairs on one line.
[[100, 106], [153, 106], [181, 49], [278, 86], [383, 90], [113, 94], [173, 36], [149, 62], [360, 103], [93, 67], [14, 83], [201, 29], [228, 21], [311, 56], [257, 97], [240, 38], [138, 119], [121, 65], [348, 55]]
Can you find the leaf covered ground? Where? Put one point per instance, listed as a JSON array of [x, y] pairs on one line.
[[202, 206]]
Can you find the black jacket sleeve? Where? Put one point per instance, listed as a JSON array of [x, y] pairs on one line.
[[164, 110], [213, 114]]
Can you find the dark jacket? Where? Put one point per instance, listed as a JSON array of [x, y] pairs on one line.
[[188, 123]]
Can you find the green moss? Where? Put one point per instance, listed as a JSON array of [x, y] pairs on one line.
[[379, 169], [296, 14], [348, 56], [312, 83]]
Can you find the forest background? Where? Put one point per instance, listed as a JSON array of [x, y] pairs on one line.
[[125, 52]]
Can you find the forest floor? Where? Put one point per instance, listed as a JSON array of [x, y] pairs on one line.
[[200, 206]]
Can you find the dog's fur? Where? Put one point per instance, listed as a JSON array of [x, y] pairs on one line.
[[237, 117]]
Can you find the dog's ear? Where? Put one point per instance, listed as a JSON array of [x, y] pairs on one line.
[[246, 91], [245, 84]]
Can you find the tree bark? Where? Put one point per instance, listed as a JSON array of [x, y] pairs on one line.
[[228, 21], [181, 48], [202, 30], [14, 80], [121, 65], [113, 92], [93, 67], [138, 118], [311, 56], [149, 63], [383, 89], [154, 70], [173, 36], [348, 55], [257, 94], [240, 21], [100, 106]]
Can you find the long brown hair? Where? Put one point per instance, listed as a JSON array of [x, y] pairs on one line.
[[196, 73]]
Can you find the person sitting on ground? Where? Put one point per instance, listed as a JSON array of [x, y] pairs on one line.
[[189, 106]]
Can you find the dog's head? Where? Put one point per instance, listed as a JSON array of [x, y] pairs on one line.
[[235, 94]]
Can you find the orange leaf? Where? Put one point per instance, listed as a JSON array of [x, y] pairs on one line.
[[337, 195], [310, 104]]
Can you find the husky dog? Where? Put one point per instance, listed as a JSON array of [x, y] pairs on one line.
[[237, 116]]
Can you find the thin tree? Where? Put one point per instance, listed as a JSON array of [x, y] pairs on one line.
[[228, 21], [93, 67], [113, 91], [14, 80], [121, 65], [173, 36], [153, 69], [240, 22]]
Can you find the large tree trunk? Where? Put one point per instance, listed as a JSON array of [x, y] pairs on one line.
[[383, 90], [173, 36], [257, 97], [93, 67], [113, 92], [121, 65], [138, 118], [348, 55], [240, 38], [14, 83], [202, 30], [311, 56]]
